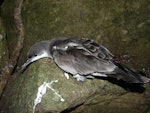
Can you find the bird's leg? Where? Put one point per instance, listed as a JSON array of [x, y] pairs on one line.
[[79, 77]]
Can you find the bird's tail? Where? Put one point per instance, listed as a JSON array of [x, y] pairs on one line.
[[129, 75]]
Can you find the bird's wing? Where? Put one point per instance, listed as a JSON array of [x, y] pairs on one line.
[[82, 56], [94, 48]]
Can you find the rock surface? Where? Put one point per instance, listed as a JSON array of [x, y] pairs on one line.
[[121, 26], [95, 95], [3, 45]]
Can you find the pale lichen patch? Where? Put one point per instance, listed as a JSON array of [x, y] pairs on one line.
[[42, 91]]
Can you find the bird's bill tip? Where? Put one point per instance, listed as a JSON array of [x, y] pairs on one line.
[[24, 66]]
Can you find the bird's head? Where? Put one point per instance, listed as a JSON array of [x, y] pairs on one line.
[[41, 50], [37, 51]]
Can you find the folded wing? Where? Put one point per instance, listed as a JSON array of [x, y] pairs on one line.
[[82, 56]]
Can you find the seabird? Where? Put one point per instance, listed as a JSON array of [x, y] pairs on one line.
[[83, 58]]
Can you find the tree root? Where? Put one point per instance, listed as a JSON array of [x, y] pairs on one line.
[[10, 65]]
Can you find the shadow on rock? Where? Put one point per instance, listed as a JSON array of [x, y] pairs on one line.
[[133, 87]]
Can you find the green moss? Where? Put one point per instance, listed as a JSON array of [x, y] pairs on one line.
[[3, 46], [8, 20], [125, 103]]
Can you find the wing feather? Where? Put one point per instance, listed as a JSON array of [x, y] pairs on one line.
[[82, 56]]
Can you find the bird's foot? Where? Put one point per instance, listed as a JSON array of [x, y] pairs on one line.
[[79, 77]]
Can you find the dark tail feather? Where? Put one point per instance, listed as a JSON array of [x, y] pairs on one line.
[[131, 76]]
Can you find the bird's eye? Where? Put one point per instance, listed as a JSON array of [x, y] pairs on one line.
[[29, 57], [32, 56]]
